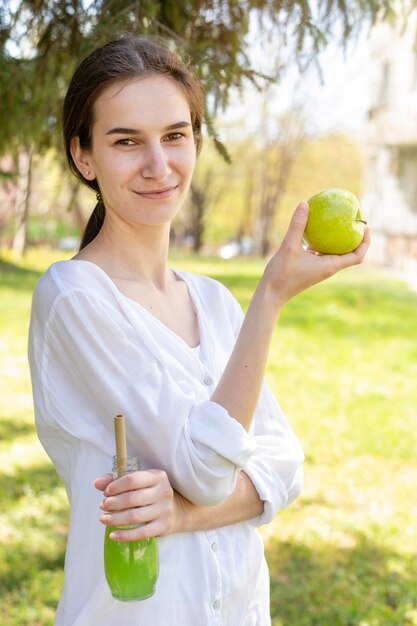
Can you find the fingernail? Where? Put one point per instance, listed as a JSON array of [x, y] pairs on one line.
[[114, 535], [303, 208]]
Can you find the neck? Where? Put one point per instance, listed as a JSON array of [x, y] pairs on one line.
[[139, 254]]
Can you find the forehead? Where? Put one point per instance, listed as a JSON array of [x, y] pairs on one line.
[[152, 100]]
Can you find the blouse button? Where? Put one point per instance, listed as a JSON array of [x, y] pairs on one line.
[[208, 380], [214, 547], [217, 604]]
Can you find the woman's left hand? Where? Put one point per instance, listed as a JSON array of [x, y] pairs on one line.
[[292, 269], [144, 497]]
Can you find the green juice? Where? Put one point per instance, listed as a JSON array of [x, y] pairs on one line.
[[131, 567]]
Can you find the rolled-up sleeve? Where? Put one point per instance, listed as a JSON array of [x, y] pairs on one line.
[[94, 365], [275, 468]]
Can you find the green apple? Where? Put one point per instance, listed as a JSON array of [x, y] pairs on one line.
[[335, 224]]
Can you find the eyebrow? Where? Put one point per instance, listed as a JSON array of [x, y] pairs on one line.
[[136, 131]]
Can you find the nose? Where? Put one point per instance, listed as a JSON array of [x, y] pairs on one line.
[[155, 164]]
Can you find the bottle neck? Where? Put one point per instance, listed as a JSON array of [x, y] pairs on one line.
[[132, 465]]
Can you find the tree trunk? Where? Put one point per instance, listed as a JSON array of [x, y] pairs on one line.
[[265, 206], [274, 179], [198, 200], [22, 205], [75, 208]]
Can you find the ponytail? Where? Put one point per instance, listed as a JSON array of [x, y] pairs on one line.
[[94, 223]]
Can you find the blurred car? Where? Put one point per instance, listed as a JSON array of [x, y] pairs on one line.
[[68, 244], [234, 248]]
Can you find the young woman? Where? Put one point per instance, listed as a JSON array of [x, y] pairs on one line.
[[116, 330]]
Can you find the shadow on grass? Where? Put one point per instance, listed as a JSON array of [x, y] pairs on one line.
[[11, 429], [35, 536], [35, 480], [17, 277], [22, 564], [332, 586]]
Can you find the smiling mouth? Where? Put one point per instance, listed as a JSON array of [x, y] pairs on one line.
[[157, 194]]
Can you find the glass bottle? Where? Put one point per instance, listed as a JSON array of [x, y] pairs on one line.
[[131, 567]]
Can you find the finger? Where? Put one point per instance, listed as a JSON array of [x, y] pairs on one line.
[[153, 529], [366, 241], [351, 258], [134, 498], [102, 482], [136, 516], [297, 225], [134, 480], [357, 255], [142, 496]]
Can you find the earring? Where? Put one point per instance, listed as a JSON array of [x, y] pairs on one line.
[[87, 173]]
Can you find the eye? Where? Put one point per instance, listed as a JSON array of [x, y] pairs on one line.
[[125, 142], [174, 136]]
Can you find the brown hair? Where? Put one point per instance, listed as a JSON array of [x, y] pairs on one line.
[[127, 57]]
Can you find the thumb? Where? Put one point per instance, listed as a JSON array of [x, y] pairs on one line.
[[297, 225]]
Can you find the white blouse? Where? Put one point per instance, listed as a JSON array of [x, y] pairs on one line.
[[94, 353]]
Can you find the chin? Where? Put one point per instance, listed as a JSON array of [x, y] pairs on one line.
[[157, 220]]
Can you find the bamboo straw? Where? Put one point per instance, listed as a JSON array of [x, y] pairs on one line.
[[121, 451]]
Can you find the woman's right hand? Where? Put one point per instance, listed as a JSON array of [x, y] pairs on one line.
[[144, 499], [293, 268]]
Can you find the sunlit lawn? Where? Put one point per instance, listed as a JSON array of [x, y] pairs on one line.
[[344, 367]]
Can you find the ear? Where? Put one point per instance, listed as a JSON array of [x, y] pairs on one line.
[[82, 159]]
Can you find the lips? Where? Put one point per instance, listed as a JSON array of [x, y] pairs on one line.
[[158, 194]]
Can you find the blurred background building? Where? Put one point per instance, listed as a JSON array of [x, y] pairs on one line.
[[390, 177]]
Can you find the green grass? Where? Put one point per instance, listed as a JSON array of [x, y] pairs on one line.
[[344, 366]]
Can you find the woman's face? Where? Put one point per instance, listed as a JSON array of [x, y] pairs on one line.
[[142, 151]]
